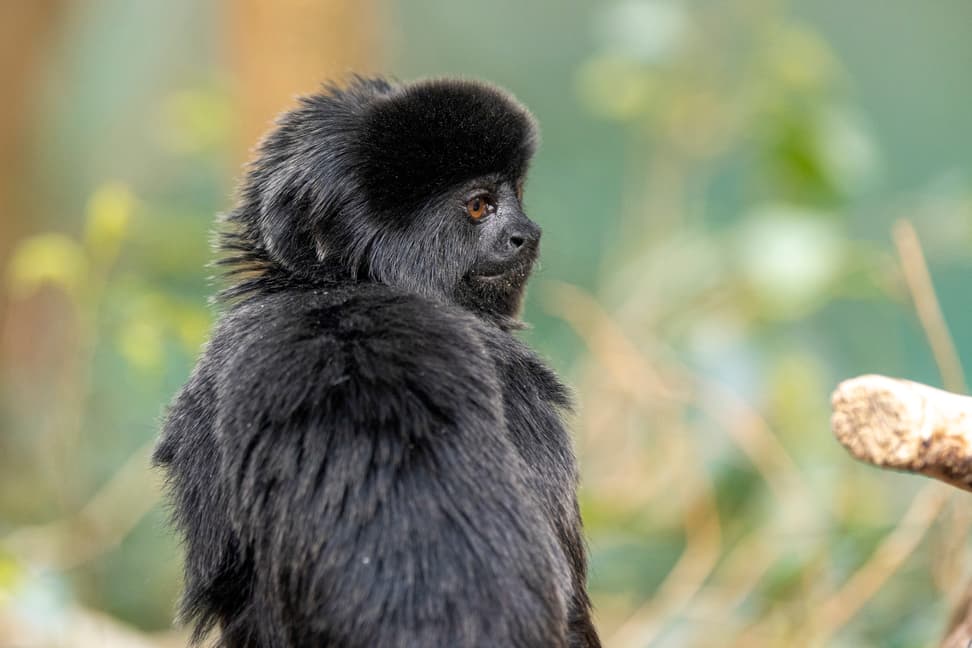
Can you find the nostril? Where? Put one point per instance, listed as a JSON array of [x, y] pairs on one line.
[[516, 241]]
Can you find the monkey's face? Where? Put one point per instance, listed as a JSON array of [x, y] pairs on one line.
[[505, 246], [416, 186], [471, 244]]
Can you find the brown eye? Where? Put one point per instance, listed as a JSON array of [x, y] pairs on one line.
[[477, 207]]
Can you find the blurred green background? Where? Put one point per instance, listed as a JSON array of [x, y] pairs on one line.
[[719, 184]]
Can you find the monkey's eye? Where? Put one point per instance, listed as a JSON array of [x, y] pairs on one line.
[[477, 207]]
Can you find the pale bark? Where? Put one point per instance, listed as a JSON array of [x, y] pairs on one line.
[[907, 426]]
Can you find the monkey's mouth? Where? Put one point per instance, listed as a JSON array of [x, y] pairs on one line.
[[499, 288], [493, 276], [516, 272]]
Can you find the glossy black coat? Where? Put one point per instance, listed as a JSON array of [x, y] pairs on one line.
[[365, 454]]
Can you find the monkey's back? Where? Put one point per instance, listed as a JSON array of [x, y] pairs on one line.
[[358, 461]]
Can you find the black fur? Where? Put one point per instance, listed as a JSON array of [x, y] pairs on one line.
[[366, 455]]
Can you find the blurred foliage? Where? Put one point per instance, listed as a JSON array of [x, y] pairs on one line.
[[717, 186]]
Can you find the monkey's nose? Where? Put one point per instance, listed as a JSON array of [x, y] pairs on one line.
[[526, 235]]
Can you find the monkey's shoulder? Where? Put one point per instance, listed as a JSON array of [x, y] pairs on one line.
[[525, 375], [348, 348], [394, 324]]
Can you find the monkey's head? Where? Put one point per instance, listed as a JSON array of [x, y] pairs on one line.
[[418, 186]]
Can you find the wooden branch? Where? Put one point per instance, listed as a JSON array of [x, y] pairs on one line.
[[907, 426]]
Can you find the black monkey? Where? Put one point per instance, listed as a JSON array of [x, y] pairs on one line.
[[366, 455]]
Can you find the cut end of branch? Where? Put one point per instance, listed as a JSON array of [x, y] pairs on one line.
[[908, 426]]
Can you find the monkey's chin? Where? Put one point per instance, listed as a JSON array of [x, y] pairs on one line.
[[497, 294], [509, 280]]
